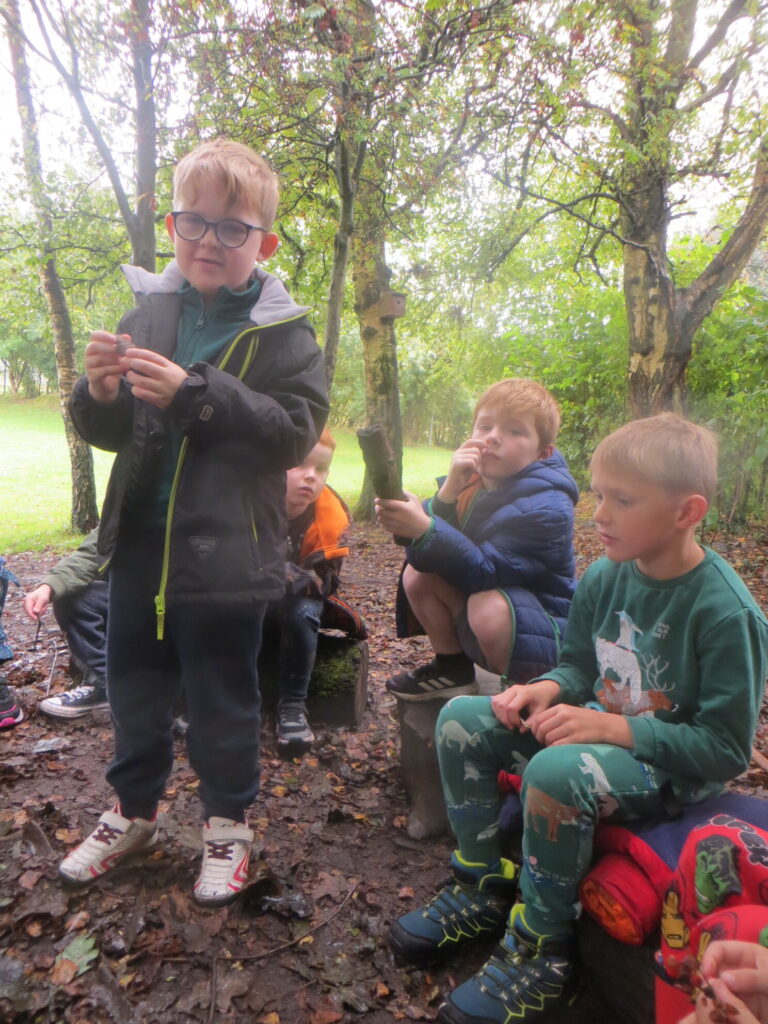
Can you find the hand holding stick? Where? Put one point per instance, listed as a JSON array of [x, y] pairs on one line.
[[380, 462]]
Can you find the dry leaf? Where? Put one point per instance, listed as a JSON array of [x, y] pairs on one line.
[[325, 1017], [406, 893], [331, 883], [68, 835], [78, 920], [63, 972]]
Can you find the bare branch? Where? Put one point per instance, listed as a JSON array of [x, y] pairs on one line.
[[72, 81], [733, 12], [696, 301]]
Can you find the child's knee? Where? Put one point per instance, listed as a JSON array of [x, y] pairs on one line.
[[489, 617], [554, 771], [415, 582], [461, 719]]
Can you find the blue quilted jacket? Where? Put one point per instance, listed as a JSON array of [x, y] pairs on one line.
[[517, 538]]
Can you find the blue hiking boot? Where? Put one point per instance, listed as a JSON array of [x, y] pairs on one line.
[[471, 905], [526, 978]]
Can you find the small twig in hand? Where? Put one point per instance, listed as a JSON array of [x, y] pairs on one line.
[[50, 637]]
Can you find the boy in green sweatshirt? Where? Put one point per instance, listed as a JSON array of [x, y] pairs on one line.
[[655, 698]]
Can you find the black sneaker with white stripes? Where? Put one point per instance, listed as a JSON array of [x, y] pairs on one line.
[[433, 681]]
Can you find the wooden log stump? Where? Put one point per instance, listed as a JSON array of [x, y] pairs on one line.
[[338, 689], [418, 760], [419, 769]]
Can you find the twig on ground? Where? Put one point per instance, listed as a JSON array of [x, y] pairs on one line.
[[214, 982], [294, 942], [269, 952]]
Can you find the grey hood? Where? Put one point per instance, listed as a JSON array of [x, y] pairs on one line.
[[274, 306]]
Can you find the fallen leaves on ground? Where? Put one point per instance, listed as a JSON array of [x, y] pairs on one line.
[[305, 942]]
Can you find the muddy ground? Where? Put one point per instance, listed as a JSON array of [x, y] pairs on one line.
[[331, 851]]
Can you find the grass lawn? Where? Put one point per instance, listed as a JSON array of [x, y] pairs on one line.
[[35, 486]]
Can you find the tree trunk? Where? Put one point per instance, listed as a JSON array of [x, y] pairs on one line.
[[346, 178], [350, 151], [84, 510], [658, 355], [663, 319], [382, 395], [143, 226]]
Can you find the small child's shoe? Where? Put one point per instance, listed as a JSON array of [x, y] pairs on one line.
[[525, 979], [76, 703], [10, 712], [114, 838], [226, 851], [440, 678], [293, 733], [473, 904]]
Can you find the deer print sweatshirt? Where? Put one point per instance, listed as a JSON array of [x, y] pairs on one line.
[[684, 659]]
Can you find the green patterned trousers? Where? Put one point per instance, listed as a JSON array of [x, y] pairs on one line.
[[566, 790]]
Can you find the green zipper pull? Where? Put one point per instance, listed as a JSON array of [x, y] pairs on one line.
[[160, 610]]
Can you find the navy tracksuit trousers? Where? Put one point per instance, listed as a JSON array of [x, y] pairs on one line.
[[208, 655]]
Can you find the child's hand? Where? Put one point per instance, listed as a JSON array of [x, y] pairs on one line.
[[152, 377], [464, 462], [36, 602], [104, 366], [731, 1008], [739, 969], [564, 723], [518, 704], [403, 518]]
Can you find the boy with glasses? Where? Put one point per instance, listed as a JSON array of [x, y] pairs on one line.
[[212, 389]]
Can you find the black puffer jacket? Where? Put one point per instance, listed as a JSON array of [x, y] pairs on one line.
[[243, 422]]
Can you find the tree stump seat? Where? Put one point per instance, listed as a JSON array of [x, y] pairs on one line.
[[338, 689]]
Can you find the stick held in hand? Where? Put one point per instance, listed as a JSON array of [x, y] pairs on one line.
[[380, 462]]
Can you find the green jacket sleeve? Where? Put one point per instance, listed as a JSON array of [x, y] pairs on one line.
[[76, 571]]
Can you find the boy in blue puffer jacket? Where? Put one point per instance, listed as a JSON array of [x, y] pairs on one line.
[[490, 567]]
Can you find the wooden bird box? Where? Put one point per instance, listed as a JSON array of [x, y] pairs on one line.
[[391, 305]]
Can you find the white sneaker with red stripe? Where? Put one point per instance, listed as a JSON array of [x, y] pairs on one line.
[[226, 850], [114, 838]]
